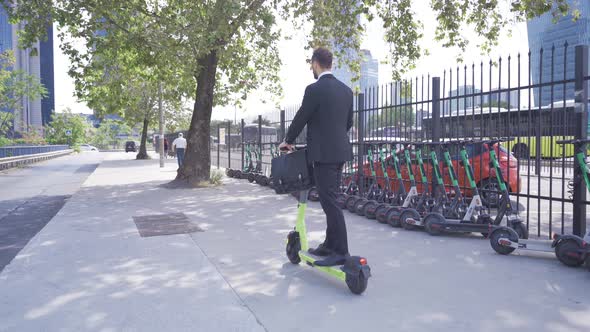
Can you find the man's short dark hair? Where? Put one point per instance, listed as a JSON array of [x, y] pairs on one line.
[[323, 56]]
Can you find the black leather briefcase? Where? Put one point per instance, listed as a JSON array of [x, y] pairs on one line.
[[291, 172]]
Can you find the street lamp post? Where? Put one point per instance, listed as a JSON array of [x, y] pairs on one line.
[[161, 147]]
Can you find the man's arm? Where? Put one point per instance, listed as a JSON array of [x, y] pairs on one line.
[[308, 107]]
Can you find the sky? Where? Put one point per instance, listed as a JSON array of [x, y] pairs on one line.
[[296, 75]]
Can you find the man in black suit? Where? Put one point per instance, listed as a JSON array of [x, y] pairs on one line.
[[327, 111]]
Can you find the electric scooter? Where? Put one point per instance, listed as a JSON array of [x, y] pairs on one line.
[[258, 169], [393, 215], [355, 272], [351, 189], [426, 201], [412, 218], [571, 250], [355, 204], [384, 195], [397, 198], [248, 165], [476, 217]]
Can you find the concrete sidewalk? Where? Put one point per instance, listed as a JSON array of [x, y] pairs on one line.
[[89, 270]]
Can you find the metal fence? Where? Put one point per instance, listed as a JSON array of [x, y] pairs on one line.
[[21, 150], [504, 97]]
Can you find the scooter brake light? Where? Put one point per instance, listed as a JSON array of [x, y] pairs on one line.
[[504, 242], [363, 261]]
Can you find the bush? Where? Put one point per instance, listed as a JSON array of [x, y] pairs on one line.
[[216, 177], [5, 141]]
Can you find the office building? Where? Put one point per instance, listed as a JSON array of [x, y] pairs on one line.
[[462, 98], [369, 75], [543, 33], [36, 61]]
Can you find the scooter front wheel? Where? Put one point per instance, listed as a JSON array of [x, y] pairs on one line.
[[407, 214], [392, 217], [433, 223], [341, 200], [350, 203], [381, 213], [359, 206], [499, 234], [293, 247], [369, 209]]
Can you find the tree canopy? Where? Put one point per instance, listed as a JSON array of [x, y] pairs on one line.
[[222, 50]]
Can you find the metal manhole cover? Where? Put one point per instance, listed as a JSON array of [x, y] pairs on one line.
[[164, 224]]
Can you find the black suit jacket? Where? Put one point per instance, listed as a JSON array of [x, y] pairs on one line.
[[327, 111]]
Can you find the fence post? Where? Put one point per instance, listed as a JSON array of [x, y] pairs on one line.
[[361, 142], [435, 135], [242, 133], [283, 127], [228, 144], [581, 132], [218, 143]]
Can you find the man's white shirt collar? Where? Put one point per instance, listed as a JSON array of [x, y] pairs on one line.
[[324, 73]]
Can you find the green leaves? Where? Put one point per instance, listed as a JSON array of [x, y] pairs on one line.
[[55, 132], [15, 85]]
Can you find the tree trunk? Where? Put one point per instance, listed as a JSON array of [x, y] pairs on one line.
[[197, 160], [142, 154]]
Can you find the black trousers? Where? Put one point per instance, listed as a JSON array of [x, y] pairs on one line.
[[327, 180]]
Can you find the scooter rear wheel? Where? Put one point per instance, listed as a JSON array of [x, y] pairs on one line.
[[565, 250], [293, 247], [521, 230], [357, 284]]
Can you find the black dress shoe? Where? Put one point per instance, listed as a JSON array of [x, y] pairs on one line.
[[321, 251], [332, 260]]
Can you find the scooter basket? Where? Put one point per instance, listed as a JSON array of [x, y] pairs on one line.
[[291, 172]]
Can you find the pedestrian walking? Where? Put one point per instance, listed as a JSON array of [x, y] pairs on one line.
[[179, 145]]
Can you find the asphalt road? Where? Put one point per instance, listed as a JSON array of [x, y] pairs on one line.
[[31, 196]]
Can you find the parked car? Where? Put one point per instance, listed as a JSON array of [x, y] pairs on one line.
[[484, 175], [130, 146], [88, 147]]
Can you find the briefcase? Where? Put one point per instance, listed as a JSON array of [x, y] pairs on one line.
[[291, 172]]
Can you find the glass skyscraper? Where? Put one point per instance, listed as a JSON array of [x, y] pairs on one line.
[[31, 113], [369, 73], [543, 33]]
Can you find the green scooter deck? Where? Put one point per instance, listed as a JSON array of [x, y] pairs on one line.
[[334, 271]]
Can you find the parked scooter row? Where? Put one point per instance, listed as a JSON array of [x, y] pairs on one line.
[[431, 207], [571, 250], [253, 173]]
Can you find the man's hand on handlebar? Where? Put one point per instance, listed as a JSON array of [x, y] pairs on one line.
[[286, 147]]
